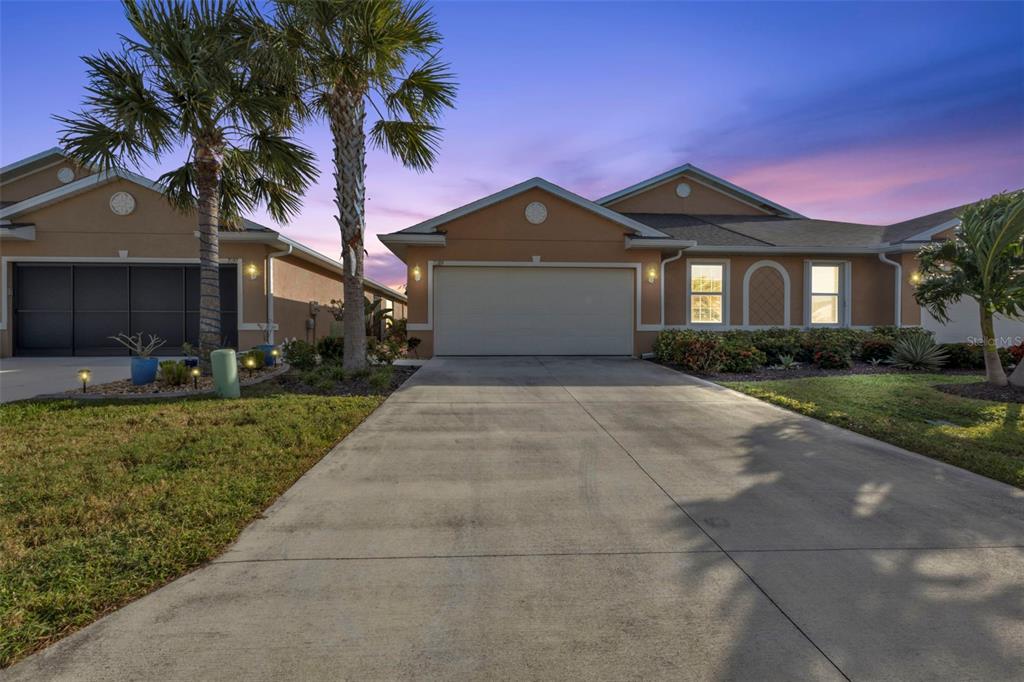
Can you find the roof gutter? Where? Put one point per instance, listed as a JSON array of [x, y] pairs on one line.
[[656, 243], [897, 291], [679, 254]]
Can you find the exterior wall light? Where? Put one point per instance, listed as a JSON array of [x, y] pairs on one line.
[[416, 274], [915, 277], [195, 377], [652, 274], [252, 270], [84, 375]]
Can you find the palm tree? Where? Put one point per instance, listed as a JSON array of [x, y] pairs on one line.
[[984, 261], [354, 54], [200, 77]]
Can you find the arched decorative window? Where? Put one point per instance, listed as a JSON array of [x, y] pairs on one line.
[[766, 295]]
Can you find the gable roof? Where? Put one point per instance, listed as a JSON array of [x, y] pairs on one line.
[[924, 226], [53, 153], [714, 181], [430, 226]]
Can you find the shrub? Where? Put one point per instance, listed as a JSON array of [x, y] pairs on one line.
[[1016, 353], [838, 340], [777, 342], [253, 359], [918, 352], [331, 348], [742, 357], [173, 372], [875, 347], [831, 359], [694, 351], [964, 355], [381, 377], [300, 354]]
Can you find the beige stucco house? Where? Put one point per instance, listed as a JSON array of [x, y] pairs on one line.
[[536, 269], [84, 255]]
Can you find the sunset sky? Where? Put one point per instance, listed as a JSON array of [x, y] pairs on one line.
[[861, 112]]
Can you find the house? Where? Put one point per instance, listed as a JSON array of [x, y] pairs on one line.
[[536, 269], [85, 255]]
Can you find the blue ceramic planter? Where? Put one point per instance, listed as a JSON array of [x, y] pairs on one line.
[[144, 370], [268, 357], [191, 362]]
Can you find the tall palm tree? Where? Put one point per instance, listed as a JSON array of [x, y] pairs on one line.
[[355, 54], [984, 261], [199, 76]]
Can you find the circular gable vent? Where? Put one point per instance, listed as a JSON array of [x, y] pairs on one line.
[[682, 190], [66, 175], [536, 212]]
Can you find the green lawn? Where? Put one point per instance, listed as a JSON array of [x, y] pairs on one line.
[[101, 503], [903, 409]]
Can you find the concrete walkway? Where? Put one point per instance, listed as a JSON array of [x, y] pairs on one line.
[[542, 518], [22, 378]]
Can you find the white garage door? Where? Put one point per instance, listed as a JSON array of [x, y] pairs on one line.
[[533, 311]]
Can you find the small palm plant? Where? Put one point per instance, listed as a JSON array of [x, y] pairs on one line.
[[918, 352], [983, 261], [354, 55], [202, 77]]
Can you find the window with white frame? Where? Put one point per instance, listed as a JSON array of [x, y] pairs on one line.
[[706, 295], [826, 293]]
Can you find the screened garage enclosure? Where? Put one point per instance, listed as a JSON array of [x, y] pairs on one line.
[[73, 309]]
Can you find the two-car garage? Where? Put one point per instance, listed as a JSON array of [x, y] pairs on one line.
[[533, 310]]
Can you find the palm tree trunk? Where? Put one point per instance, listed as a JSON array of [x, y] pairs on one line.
[[994, 373], [347, 115], [207, 187]]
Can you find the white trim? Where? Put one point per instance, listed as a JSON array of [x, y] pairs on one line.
[[637, 267], [39, 156], [414, 239], [724, 262], [428, 226], [926, 235], [26, 233], [746, 290], [845, 295], [688, 167], [71, 260]]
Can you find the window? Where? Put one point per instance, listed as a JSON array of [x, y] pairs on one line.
[[706, 295], [826, 287]]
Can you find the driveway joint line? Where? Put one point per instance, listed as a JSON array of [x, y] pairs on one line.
[[711, 538]]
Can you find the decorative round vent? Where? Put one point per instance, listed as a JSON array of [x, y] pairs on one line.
[[536, 212], [66, 174], [682, 190], [122, 203]]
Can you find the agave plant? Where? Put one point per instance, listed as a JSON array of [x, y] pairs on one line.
[[918, 351]]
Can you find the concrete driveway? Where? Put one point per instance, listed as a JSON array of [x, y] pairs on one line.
[[22, 378], [592, 519]]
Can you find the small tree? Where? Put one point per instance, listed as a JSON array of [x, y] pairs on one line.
[[201, 76], [985, 261], [354, 54]]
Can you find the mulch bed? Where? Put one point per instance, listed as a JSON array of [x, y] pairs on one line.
[[124, 388], [291, 382], [983, 390], [808, 370]]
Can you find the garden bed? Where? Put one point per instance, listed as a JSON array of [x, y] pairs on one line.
[[332, 380], [804, 371], [984, 391], [125, 389]]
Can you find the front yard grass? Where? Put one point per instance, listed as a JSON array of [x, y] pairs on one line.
[[982, 436], [101, 503]]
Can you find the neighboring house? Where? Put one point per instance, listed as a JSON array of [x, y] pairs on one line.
[[536, 269], [85, 255]]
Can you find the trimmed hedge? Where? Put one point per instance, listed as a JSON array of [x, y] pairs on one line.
[[747, 350]]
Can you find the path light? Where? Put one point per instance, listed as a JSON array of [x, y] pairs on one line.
[[416, 274], [250, 365], [652, 274], [274, 353], [85, 375], [195, 378], [252, 271]]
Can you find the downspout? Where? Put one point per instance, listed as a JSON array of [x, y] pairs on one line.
[[898, 293], [679, 254], [270, 289]]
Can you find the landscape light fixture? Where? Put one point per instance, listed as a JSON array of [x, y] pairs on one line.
[[195, 378], [250, 364], [252, 271], [84, 375], [416, 274]]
